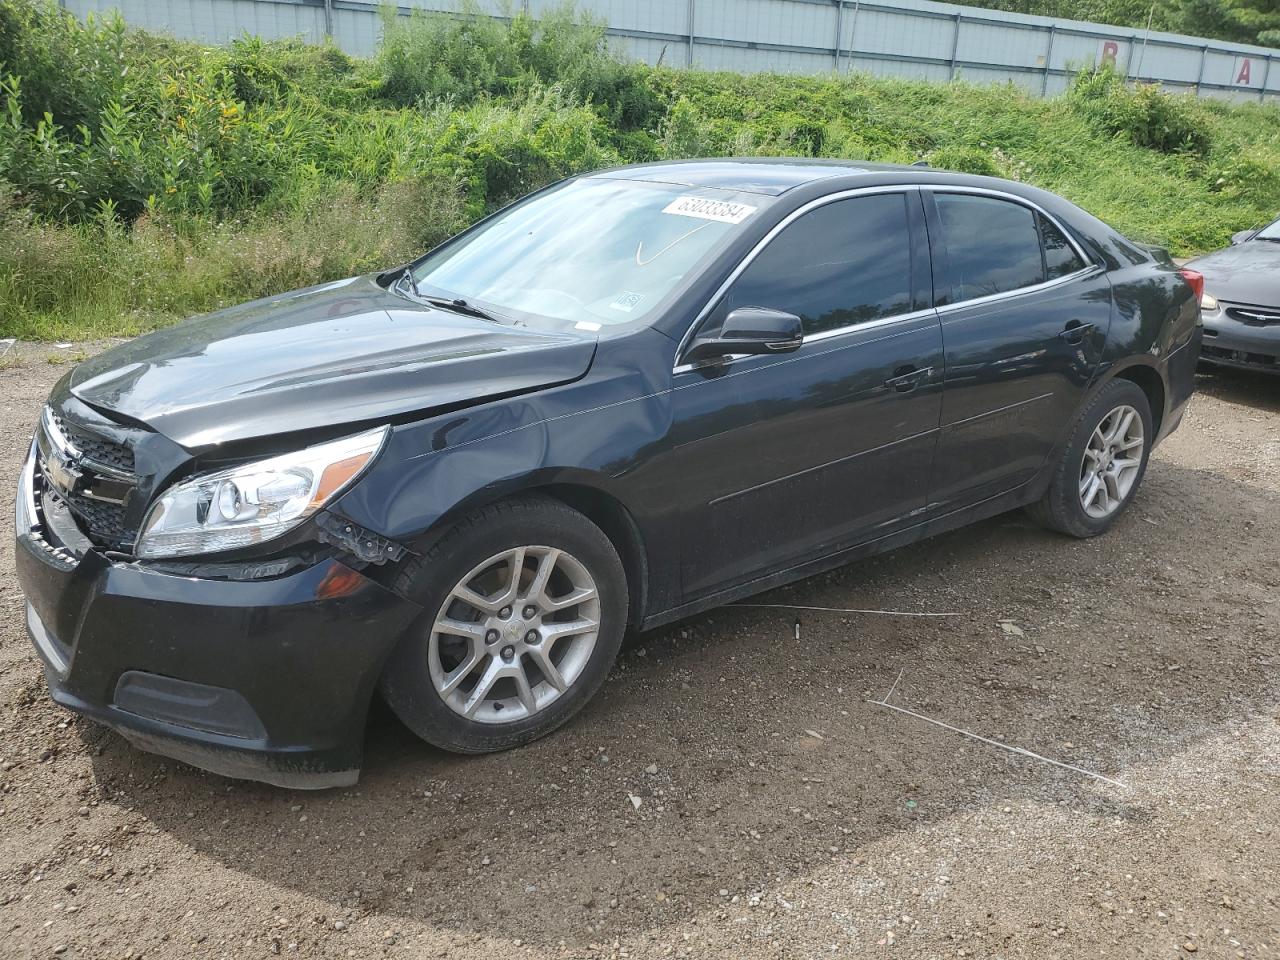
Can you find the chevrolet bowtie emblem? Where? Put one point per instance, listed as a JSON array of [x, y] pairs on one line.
[[62, 471]]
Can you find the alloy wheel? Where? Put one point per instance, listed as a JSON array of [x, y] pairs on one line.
[[1111, 463], [514, 634]]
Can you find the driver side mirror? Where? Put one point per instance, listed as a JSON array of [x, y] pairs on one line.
[[751, 331], [1241, 236]]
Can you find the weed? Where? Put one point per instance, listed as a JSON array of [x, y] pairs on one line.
[[143, 179]]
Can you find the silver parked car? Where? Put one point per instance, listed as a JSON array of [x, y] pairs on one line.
[[1241, 302]]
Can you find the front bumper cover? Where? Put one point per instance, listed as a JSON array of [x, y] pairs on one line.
[[265, 680], [1230, 343]]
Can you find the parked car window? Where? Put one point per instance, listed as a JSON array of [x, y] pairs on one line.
[[1269, 232], [1060, 258], [844, 263], [992, 245], [590, 253]]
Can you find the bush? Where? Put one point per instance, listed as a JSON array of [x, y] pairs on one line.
[[69, 69], [437, 56], [1146, 115]]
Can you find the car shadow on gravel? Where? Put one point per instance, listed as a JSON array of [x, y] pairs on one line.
[[725, 754], [1260, 390]]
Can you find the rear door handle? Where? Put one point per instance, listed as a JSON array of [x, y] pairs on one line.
[[1075, 331], [906, 379]]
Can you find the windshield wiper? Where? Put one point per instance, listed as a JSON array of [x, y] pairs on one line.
[[458, 305], [455, 304]]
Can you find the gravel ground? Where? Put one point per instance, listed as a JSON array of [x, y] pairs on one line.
[[780, 813]]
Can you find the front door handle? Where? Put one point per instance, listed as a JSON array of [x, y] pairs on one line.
[[906, 379], [1075, 331]]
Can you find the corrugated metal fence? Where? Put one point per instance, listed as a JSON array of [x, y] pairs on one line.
[[912, 38]]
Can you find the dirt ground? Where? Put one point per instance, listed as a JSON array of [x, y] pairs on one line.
[[780, 813]]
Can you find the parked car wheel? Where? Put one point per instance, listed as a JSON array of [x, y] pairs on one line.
[[525, 608], [1103, 464]]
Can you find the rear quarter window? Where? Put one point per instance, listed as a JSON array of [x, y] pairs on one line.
[[1060, 258]]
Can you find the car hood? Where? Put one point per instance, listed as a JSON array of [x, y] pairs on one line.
[[1248, 272], [343, 353]]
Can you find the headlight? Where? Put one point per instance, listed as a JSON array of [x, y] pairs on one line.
[[256, 501], [1208, 302]]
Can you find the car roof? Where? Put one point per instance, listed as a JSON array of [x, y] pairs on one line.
[[776, 176], [771, 176]]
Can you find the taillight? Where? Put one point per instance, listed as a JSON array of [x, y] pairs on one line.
[[1195, 280]]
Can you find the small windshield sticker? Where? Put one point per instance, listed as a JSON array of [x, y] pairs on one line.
[[586, 325], [626, 302], [705, 208]]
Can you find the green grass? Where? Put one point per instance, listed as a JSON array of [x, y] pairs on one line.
[[160, 179]]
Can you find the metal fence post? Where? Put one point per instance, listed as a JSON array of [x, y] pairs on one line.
[[1137, 74], [689, 58], [853, 33], [1204, 56], [839, 17], [955, 46], [1048, 60]]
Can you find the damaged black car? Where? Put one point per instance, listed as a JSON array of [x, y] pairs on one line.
[[624, 399]]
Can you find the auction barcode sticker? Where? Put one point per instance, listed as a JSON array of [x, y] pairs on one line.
[[705, 208]]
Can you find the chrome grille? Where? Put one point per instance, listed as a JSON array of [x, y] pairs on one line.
[[1254, 316], [98, 450], [92, 474]]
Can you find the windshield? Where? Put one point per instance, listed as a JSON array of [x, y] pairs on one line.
[[1271, 232], [588, 254]]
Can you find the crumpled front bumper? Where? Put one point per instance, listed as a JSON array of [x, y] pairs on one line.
[[260, 679]]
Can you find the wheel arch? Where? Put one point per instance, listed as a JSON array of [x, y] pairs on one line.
[[609, 514], [1151, 382], [584, 492]]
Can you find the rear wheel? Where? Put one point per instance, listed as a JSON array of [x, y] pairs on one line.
[[1103, 464], [525, 606]]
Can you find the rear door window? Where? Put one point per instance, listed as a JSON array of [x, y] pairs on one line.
[[845, 263], [992, 245]]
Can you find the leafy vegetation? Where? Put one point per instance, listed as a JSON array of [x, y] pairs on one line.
[[143, 179]]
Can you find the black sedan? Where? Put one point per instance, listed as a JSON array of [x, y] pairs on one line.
[[629, 397], [1242, 301]]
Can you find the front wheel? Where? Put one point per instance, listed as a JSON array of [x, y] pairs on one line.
[[526, 605], [1103, 464]]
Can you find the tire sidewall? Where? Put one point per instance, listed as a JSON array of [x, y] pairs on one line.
[[406, 678], [1113, 394]]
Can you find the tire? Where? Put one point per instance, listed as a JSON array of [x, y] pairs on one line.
[[426, 681], [1063, 507]]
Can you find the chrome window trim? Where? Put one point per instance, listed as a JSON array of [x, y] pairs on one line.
[[814, 338], [1019, 292], [777, 228], [1091, 266], [1005, 195], [869, 324]]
